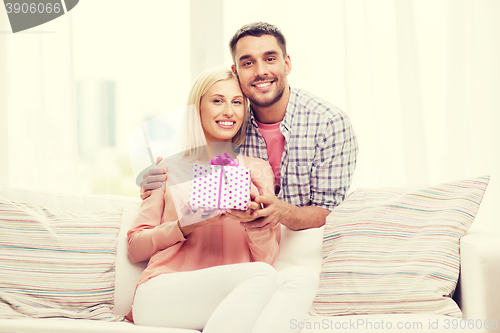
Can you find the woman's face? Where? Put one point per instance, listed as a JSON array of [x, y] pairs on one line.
[[222, 111]]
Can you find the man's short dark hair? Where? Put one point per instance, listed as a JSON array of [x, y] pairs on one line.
[[257, 29]]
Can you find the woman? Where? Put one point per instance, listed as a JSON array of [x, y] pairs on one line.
[[205, 272]]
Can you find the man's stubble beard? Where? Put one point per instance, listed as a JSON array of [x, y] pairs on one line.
[[258, 104], [273, 101]]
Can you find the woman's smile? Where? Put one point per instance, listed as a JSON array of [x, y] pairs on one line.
[[226, 124]]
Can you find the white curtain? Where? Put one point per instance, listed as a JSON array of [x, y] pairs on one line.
[[39, 150], [422, 87], [73, 89]]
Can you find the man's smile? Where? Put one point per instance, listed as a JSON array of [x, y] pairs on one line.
[[263, 85]]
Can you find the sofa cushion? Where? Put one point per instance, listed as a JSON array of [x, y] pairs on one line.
[[396, 250], [57, 263], [127, 273]]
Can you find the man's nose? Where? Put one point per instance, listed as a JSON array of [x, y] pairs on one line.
[[261, 69]]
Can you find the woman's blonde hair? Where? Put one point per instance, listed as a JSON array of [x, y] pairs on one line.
[[194, 142]]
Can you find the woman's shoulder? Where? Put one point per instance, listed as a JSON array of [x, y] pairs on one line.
[[177, 159], [178, 169]]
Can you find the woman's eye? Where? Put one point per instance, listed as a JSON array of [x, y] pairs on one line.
[[217, 101], [237, 102]]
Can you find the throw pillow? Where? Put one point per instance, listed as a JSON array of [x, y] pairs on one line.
[[55, 263], [395, 250]]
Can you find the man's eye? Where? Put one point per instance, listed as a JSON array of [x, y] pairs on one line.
[[247, 63], [270, 59]]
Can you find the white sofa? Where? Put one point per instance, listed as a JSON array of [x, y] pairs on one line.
[[478, 293]]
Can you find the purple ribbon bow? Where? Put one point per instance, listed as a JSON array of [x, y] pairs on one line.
[[223, 159]]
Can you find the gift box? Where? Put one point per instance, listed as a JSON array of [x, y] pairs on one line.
[[222, 184]]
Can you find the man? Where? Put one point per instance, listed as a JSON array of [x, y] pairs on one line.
[[309, 143]]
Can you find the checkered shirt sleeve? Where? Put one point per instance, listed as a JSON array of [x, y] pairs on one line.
[[320, 152]]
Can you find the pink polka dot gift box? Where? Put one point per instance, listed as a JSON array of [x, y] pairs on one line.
[[222, 184]]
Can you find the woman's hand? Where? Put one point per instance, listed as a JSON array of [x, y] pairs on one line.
[[191, 220]]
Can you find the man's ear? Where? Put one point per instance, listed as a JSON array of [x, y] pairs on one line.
[[233, 68], [288, 65]]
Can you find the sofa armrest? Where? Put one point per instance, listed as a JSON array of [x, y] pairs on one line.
[[479, 290]]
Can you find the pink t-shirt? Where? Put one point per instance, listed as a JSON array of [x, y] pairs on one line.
[[275, 142]]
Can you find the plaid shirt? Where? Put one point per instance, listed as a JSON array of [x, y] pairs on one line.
[[320, 151]]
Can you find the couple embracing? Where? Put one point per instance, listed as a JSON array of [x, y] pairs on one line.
[[215, 274]]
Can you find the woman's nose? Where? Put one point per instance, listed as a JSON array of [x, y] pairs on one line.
[[228, 110]]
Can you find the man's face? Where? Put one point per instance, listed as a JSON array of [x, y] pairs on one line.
[[261, 69]]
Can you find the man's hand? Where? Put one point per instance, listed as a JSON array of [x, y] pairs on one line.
[[263, 203], [266, 211], [274, 211], [244, 216], [153, 179]]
